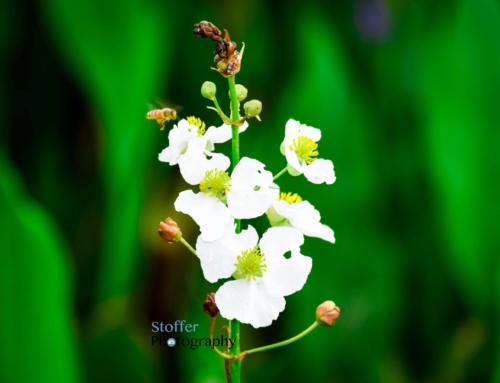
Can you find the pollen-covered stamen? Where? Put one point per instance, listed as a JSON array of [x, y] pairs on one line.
[[289, 197], [197, 122], [305, 148], [215, 183], [250, 264]]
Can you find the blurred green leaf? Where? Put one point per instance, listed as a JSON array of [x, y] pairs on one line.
[[36, 325]]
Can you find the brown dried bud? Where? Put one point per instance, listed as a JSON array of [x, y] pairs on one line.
[[327, 313], [209, 306], [207, 29], [228, 67], [169, 231]]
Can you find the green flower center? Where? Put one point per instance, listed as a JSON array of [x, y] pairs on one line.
[[197, 122], [250, 264], [305, 148], [215, 183], [289, 197]]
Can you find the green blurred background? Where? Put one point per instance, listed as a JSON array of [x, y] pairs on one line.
[[406, 95]]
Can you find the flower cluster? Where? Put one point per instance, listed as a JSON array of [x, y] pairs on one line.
[[260, 274]]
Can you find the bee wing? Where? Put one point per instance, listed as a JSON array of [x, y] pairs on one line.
[[150, 107], [168, 104]]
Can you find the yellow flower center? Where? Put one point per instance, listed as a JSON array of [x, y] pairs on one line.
[[197, 122], [289, 197], [305, 148], [215, 183], [250, 264]]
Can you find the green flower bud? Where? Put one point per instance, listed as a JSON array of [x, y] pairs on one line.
[[208, 90], [241, 92], [253, 108]]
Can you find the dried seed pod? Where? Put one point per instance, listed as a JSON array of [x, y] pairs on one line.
[[209, 306], [207, 29]]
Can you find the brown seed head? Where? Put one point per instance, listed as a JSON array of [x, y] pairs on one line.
[[207, 29], [327, 313], [169, 231], [227, 58], [228, 66], [209, 306]]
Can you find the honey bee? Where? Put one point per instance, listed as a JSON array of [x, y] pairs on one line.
[[162, 115]]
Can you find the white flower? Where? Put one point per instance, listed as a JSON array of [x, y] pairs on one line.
[[264, 276], [194, 163], [222, 134], [300, 151], [291, 210], [211, 215], [178, 139], [185, 131], [248, 192]]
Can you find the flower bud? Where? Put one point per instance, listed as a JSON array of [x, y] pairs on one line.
[[169, 231], [209, 306], [253, 108], [327, 313], [241, 92], [208, 90]]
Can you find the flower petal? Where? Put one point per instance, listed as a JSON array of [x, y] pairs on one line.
[[320, 171], [304, 217], [286, 276], [194, 163], [308, 131], [243, 200], [276, 241], [222, 133], [208, 212], [249, 302], [293, 162], [178, 138], [294, 129], [218, 258]]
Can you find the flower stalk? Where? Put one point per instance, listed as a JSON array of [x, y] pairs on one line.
[[280, 173], [284, 343], [235, 142], [190, 248], [219, 110], [235, 366]]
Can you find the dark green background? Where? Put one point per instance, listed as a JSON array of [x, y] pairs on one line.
[[406, 95]]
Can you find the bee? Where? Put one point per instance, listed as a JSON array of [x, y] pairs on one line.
[[162, 115]]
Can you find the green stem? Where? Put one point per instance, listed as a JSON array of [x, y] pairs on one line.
[[183, 241], [235, 142], [280, 173], [225, 356], [285, 342], [216, 103], [235, 366]]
